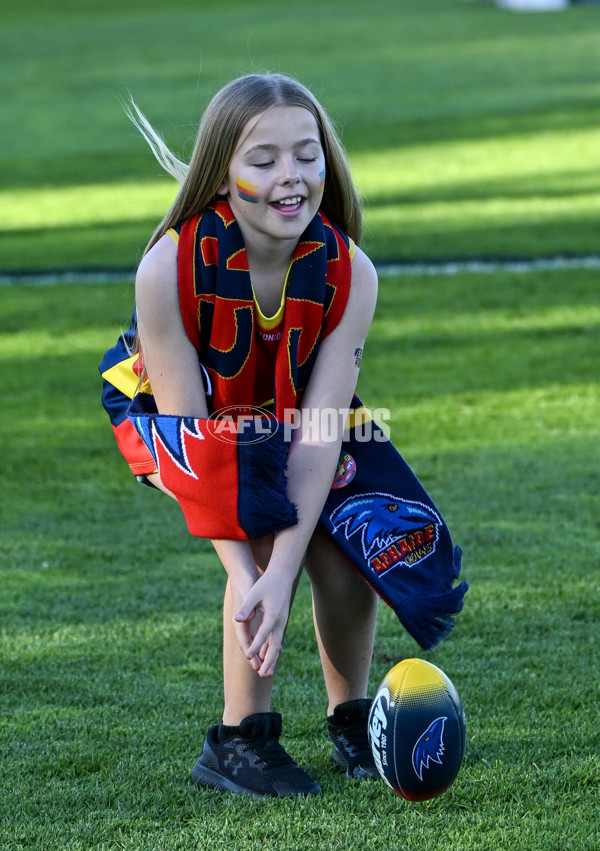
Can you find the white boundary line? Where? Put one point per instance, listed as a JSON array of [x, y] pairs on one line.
[[99, 276], [457, 267], [418, 269]]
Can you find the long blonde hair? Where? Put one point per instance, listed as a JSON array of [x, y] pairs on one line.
[[218, 135]]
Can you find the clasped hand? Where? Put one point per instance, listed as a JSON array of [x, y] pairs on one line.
[[261, 620]]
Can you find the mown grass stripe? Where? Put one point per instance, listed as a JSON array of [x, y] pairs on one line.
[[417, 268]]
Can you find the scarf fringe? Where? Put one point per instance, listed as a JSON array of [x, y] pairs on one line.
[[263, 506], [429, 618]]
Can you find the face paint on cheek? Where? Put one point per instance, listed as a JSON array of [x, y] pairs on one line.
[[322, 179], [247, 191]]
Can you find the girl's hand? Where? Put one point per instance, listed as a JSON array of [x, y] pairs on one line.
[[261, 620]]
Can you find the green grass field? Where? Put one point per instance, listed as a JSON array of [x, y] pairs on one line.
[[466, 141], [469, 129]]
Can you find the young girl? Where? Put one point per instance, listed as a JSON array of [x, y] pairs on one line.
[[253, 294], [267, 165]]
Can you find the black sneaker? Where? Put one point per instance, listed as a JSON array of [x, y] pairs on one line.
[[249, 760], [347, 729]]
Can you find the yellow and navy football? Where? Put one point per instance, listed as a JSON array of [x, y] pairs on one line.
[[417, 730]]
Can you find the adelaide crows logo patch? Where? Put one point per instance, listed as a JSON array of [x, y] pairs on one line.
[[429, 747], [392, 531]]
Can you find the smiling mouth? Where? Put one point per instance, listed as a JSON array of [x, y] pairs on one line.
[[288, 203]]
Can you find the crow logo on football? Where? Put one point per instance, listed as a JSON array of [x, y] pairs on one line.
[[429, 747]]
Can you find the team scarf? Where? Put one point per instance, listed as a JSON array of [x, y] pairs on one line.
[[230, 480], [218, 306]]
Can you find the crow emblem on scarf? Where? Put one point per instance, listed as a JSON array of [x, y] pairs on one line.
[[392, 531], [171, 433], [429, 747]]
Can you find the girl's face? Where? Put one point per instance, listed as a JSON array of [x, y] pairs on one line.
[[276, 176]]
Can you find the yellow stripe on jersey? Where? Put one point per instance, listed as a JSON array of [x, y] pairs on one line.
[[125, 379]]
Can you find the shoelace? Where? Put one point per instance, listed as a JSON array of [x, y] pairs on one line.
[[352, 735], [270, 751]]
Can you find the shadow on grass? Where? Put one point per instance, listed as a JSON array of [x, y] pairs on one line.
[[565, 184], [137, 163], [391, 237]]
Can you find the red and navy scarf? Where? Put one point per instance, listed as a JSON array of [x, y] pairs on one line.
[[218, 308], [230, 483], [231, 487]]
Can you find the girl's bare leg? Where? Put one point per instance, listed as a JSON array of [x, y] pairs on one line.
[[245, 692], [345, 615]]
